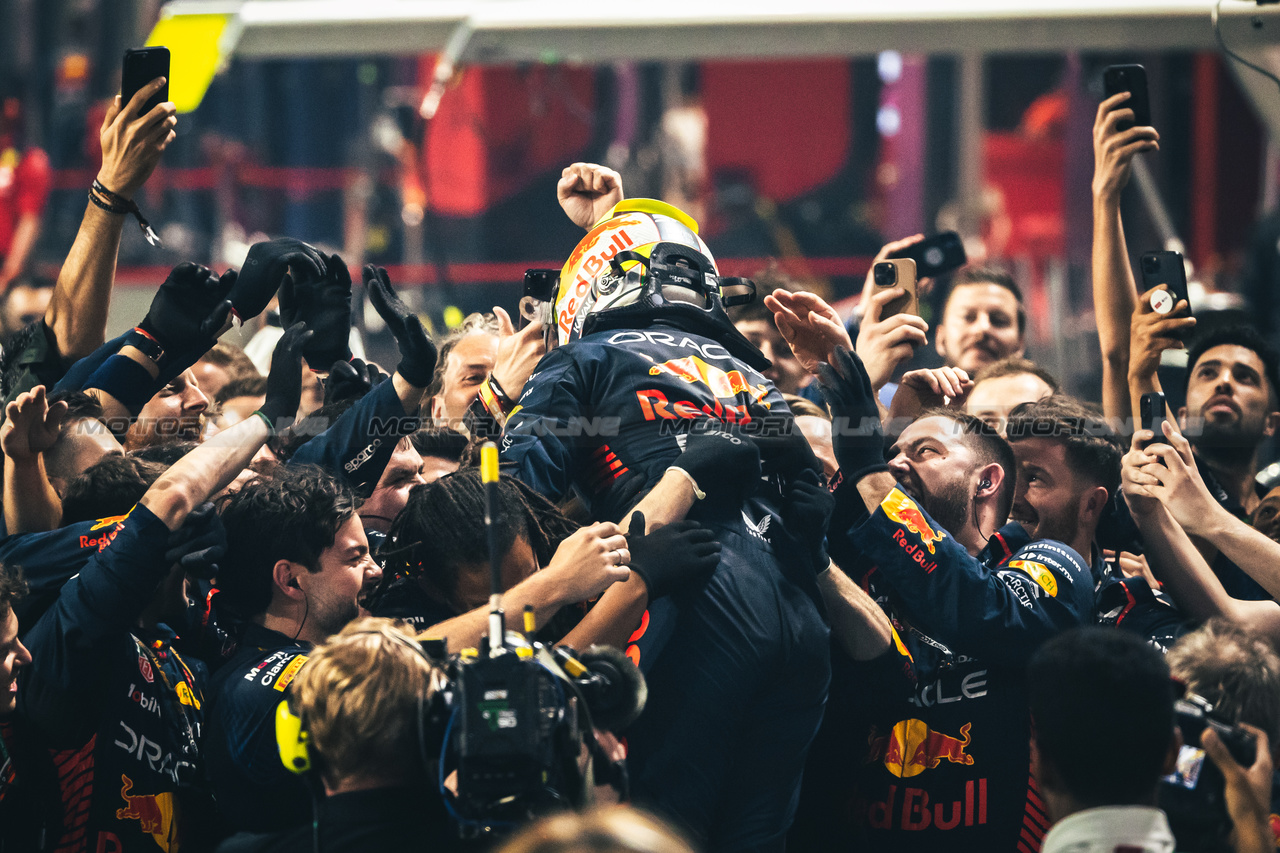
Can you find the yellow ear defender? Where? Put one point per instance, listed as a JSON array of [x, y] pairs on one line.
[[292, 739]]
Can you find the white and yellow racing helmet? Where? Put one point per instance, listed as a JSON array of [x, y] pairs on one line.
[[644, 263]]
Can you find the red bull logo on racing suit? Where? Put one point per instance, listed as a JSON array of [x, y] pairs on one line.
[[909, 749], [153, 812], [904, 511]]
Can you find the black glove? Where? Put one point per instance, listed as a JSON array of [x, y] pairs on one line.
[[199, 543], [725, 466], [284, 381], [264, 271], [351, 380], [417, 350], [324, 304], [807, 515], [189, 309], [856, 434], [672, 556]]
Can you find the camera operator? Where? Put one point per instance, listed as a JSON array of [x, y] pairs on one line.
[[1105, 735], [360, 699], [1238, 673]]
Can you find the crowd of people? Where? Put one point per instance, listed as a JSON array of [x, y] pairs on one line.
[[875, 608]]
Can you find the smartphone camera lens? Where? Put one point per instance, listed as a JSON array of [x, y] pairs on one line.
[[1151, 265], [886, 275]]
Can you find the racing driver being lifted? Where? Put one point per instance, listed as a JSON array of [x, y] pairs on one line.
[[644, 359]]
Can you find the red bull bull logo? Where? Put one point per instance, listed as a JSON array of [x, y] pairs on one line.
[[911, 747], [153, 812], [904, 511], [724, 384]]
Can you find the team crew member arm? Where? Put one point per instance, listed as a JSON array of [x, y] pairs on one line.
[[117, 584], [949, 592], [361, 441], [1156, 482]]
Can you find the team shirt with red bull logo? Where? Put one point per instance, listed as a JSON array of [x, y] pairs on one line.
[[926, 747], [737, 670], [114, 712]]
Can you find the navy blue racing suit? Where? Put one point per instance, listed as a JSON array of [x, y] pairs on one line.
[[925, 748], [737, 671]]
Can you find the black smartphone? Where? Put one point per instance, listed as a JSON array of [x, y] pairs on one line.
[[1168, 269], [1151, 410], [935, 255], [141, 66], [1131, 79]]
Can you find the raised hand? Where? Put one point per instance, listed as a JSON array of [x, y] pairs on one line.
[[132, 143], [31, 425], [324, 305], [351, 380], [810, 326], [264, 270], [856, 434], [587, 191], [1113, 151], [190, 309], [883, 344], [518, 353], [417, 351], [284, 381]]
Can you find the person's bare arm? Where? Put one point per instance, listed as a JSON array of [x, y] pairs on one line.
[[214, 464], [859, 624], [585, 565], [1183, 493], [30, 428], [1174, 558], [617, 614], [131, 148], [1114, 289]]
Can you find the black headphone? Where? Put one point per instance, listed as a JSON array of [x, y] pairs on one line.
[[985, 484]]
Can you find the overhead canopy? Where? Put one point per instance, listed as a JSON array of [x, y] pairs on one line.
[[598, 31]]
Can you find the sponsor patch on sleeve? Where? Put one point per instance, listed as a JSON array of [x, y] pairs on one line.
[[289, 672], [1039, 573]]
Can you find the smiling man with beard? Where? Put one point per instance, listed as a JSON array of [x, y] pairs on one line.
[[931, 749], [297, 563], [1068, 473]]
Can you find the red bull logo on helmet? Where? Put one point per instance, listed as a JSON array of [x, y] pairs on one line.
[[904, 511], [153, 812], [911, 747], [724, 384]]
